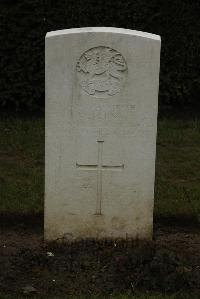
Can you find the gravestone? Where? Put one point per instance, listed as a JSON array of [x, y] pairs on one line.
[[101, 120]]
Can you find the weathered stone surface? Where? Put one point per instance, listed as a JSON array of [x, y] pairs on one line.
[[101, 119]]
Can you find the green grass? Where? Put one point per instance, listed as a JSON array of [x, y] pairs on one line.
[[177, 188], [21, 165]]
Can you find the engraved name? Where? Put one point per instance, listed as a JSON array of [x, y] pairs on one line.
[[115, 112]]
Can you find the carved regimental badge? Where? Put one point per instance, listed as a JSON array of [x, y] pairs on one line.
[[101, 72]]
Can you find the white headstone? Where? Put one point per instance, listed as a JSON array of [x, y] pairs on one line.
[[101, 119]]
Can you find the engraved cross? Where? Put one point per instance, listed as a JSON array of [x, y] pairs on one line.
[[99, 167]]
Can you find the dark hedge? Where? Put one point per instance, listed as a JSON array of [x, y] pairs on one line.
[[24, 23]]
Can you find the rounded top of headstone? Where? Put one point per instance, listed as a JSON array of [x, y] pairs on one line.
[[113, 30]]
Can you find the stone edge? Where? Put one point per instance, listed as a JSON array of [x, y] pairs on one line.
[[102, 30]]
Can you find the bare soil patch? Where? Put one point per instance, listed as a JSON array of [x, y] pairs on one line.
[[170, 263]]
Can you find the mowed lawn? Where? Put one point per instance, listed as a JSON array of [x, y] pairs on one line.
[[177, 187]]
